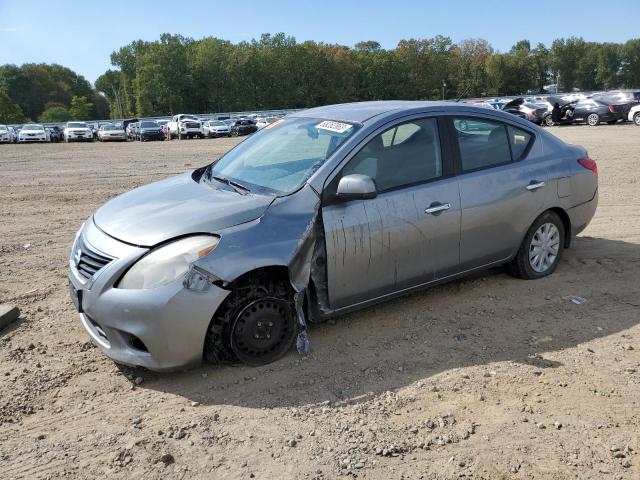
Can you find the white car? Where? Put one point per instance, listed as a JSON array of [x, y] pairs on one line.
[[78, 132], [634, 115], [5, 134], [216, 128], [33, 133], [264, 121], [185, 126]]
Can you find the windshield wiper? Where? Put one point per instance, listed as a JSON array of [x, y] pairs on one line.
[[238, 187]]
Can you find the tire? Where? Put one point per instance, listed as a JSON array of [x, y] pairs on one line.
[[636, 119], [548, 121], [234, 133], [593, 119], [255, 325], [548, 231]]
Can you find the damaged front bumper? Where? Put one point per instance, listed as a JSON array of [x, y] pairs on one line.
[[161, 329]]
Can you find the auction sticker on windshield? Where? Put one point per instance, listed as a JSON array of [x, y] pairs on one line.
[[337, 127]]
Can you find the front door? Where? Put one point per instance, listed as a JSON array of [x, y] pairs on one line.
[[406, 236]]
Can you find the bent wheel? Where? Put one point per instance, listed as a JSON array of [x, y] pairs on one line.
[[263, 331]]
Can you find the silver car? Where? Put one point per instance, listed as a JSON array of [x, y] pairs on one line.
[[326, 211]]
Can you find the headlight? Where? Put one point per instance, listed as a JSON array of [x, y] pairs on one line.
[[167, 263]]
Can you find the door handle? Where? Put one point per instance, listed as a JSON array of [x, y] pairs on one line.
[[535, 186], [435, 208]]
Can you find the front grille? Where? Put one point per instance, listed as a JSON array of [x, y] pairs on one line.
[[193, 125], [88, 261]]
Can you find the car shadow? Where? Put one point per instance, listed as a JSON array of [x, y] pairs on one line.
[[477, 321]]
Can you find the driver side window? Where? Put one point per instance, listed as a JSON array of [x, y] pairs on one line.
[[403, 155]]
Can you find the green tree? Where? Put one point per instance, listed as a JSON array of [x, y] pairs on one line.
[[80, 108], [10, 112], [55, 114]]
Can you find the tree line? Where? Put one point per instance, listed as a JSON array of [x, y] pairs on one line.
[[176, 74]]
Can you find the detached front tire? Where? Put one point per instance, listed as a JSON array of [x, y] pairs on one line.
[[541, 249], [255, 325]]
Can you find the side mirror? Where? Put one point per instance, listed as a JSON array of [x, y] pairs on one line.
[[356, 186]]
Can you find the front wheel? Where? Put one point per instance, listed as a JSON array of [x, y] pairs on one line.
[[593, 119], [541, 249], [256, 324], [636, 119]]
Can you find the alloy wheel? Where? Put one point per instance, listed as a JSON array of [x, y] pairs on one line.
[[544, 247], [593, 119]]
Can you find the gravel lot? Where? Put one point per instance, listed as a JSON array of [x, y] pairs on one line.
[[485, 378]]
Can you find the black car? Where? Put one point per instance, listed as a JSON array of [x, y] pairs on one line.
[[243, 126], [55, 133], [592, 111], [149, 130]]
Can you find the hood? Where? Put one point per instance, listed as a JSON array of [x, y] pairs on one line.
[[173, 207]]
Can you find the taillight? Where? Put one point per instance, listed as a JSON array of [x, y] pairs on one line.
[[589, 164], [613, 109]]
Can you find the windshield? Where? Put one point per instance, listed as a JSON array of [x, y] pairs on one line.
[[281, 157], [3, 128], [187, 117], [77, 125], [33, 127], [110, 127], [148, 125], [217, 124]]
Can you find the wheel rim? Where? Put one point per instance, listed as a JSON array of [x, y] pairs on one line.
[[544, 247], [636, 119], [548, 121], [593, 119], [262, 331]]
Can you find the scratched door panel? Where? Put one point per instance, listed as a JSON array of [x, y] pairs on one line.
[[389, 243]]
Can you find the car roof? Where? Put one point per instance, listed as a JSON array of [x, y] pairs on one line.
[[360, 112]]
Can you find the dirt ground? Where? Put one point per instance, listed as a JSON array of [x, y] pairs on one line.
[[485, 378]]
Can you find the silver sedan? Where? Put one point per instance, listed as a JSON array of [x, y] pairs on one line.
[[326, 211]]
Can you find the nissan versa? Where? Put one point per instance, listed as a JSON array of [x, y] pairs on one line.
[[323, 212]]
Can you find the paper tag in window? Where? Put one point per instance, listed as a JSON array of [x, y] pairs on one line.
[[337, 127]]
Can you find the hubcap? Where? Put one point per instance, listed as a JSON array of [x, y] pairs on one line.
[[262, 331], [544, 247]]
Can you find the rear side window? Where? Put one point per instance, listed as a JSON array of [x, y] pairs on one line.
[[482, 143], [519, 140]]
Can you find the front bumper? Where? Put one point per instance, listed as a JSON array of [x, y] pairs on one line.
[[31, 139], [79, 138], [152, 136], [160, 329]]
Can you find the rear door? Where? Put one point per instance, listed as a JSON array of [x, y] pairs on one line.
[[502, 188], [407, 235]]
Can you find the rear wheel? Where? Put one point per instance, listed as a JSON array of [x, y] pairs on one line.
[[541, 248], [255, 325], [593, 119], [636, 119]]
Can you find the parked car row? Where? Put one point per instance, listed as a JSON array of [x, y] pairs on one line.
[[591, 109]]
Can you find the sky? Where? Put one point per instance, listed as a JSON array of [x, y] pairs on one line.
[[82, 35]]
